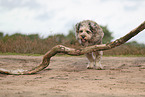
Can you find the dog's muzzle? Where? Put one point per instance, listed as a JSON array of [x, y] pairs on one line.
[[83, 38]]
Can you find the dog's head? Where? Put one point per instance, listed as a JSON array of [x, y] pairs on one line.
[[89, 33]]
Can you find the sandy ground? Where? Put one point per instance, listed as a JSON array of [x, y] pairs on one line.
[[68, 77]]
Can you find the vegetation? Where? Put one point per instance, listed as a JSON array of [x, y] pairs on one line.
[[33, 44], [107, 35]]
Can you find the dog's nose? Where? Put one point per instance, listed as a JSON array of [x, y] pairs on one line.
[[83, 36]]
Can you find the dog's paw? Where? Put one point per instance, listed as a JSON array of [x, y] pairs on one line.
[[98, 67], [90, 65]]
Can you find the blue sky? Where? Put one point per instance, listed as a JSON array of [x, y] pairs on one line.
[[48, 17]]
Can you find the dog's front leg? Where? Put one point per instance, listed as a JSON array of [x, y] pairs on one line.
[[98, 56], [91, 60]]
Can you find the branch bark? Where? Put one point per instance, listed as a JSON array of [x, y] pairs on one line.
[[71, 51]]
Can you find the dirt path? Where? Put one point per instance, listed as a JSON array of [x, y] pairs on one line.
[[68, 77]]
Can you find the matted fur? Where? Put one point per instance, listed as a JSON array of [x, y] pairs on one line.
[[90, 33]]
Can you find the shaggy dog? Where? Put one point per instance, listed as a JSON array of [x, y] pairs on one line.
[[90, 33]]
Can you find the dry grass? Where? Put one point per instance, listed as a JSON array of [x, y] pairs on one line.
[[25, 44], [126, 49]]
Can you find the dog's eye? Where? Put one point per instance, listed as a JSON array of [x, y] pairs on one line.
[[88, 31], [81, 31]]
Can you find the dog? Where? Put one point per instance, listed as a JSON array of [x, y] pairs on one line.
[[89, 33]]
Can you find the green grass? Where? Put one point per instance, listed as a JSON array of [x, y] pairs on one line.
[[9, 53], [124, 55], [65, 55]]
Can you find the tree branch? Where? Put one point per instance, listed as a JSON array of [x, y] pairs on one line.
[[71, 51]]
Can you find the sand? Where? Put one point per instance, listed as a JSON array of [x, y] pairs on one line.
[[67, 76]]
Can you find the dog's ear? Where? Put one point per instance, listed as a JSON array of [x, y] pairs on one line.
[[93, 26], [96, 29], [77, 27]]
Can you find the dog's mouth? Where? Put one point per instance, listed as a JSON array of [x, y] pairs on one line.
[[83, 40]]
